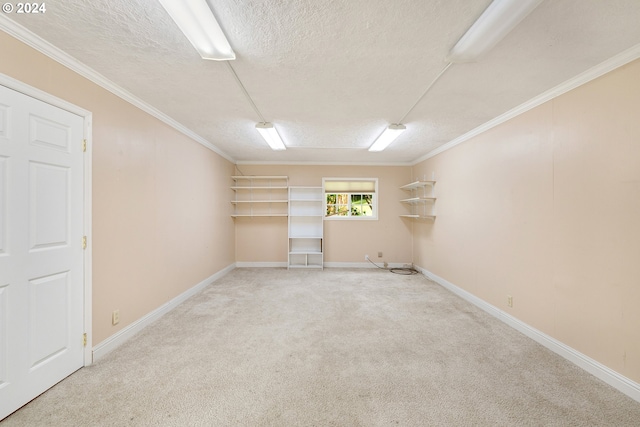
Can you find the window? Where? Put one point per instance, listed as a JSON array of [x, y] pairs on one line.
[[351, 198]]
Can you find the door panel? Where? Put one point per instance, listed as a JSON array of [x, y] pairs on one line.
[[48, 206], [49, 134], [3, 205], [3, 335], [41, 255], [4, 121], [48, 327]]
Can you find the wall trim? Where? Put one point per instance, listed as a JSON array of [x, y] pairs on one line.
[[249, 264], [36, 42], [311, 163], [593, 73], [595, 368], [29, 38], [120, 337], [34, 92], [363, 265]]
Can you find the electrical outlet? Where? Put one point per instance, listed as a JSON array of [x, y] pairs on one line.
[[509, 300], [379, 254], [366, 257], [385, 264], [115, 317]]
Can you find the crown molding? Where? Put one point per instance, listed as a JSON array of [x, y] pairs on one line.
[[22, 34], [593, 73], [303, 163]]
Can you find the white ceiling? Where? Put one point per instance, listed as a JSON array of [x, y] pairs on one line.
[[332, 74]]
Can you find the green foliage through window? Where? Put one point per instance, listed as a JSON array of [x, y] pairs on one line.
[[345, 204]]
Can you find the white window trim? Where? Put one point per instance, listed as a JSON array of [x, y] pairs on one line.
[[376, 193]]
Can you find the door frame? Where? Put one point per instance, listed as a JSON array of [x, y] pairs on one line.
[[40, 95]]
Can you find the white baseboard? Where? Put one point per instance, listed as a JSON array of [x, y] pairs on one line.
[[326, 265], [362, 265], [261, 264], [597, 369], [117, 339]]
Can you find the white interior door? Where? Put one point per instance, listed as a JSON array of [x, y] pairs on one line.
[[41, 253]]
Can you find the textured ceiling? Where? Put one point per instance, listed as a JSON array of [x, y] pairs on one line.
[[332, 74]]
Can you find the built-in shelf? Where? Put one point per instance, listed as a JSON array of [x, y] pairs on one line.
[[240, 178], [306, 227], [235, 202], [255, 215], [421, 201], [260, 196], [258, 188]]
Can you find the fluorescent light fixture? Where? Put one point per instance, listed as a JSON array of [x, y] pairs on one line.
[[387, 137], [493, 25], [270, 134], [196, 21]]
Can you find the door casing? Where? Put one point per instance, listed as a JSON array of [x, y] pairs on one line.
[[40, 95]]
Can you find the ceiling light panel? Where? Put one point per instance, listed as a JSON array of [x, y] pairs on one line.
[[269, 133], [494, 24], [387, 137], [195, 19]]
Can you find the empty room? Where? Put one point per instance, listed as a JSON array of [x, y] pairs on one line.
[[320, 213]]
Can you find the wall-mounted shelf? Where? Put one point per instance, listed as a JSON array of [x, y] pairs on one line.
[[260, 196], [417, 184], [418, 216], [306, 226], [421, 201], [414, 200]]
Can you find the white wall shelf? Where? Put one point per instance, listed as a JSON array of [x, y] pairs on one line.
[[260, 196], [251, 215], [306, 227], [417, 184], [418, 200], [421, 201]]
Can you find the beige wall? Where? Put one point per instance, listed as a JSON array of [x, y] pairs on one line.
[[158, 226], [265, 240], [546, 208]]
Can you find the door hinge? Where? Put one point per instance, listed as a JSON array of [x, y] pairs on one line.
[[84, 242], [84, 145], [84, 339]]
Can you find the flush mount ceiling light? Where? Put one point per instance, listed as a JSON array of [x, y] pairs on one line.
[[196, 21], [495, 22], [387, 137], [270, 134]]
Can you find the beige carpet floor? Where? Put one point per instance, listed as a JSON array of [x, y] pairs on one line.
[[271, 347]]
